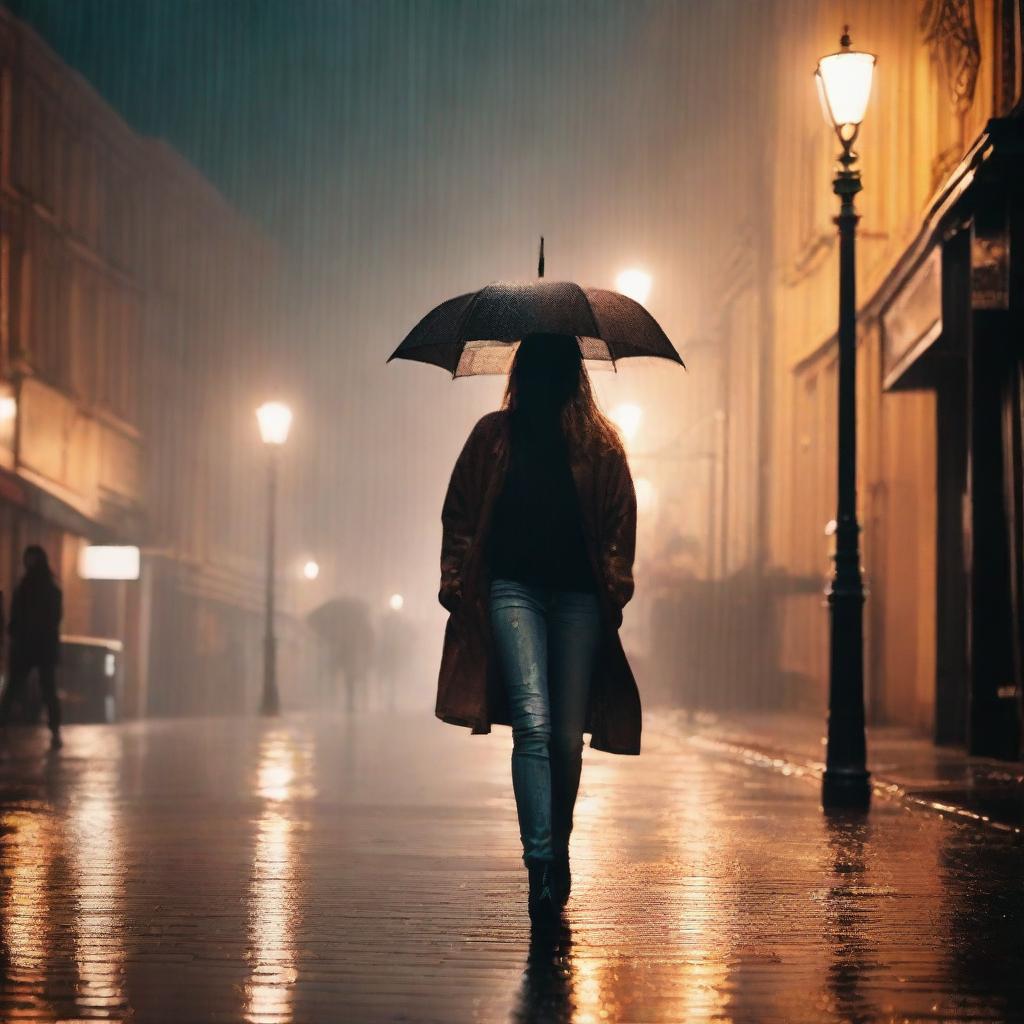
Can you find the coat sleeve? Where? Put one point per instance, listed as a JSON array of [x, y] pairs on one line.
[[619, 532], [459, 516]]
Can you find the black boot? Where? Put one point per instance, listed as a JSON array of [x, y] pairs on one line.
[[543, 903], [562, 877]]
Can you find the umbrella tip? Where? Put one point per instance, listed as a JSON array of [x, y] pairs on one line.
[[540, 258]]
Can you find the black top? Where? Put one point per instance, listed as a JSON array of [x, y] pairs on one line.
[[537, 530], [36, 610]]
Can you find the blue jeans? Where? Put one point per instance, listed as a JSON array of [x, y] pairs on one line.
[[547, 643]]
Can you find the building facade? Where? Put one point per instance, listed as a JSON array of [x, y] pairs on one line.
[[136, 338], [940, 292], [70, 325], [940, 289]]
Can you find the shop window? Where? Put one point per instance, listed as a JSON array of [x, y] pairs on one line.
[[48, 339]]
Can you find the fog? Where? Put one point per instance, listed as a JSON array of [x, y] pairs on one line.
[[397, 154]]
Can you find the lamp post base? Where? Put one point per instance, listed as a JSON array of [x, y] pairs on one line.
[[270, 705], [846, 788]]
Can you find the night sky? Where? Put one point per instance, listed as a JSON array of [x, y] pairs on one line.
[[404, 152], [342, 123]]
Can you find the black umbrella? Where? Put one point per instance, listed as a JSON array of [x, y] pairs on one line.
[[478, 332]]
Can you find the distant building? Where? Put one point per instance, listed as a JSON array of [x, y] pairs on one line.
[[136, 338]]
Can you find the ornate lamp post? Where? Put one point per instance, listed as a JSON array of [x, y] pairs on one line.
[[844, 85], [275, 420]]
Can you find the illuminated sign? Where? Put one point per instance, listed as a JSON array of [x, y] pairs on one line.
[[108, 562]]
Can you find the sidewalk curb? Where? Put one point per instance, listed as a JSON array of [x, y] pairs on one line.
[[789, 764]]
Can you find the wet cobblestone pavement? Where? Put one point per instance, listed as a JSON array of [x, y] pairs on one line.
[[367, 870]]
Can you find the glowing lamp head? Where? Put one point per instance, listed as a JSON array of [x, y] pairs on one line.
[[844, 87], [634, 283], [627, 418], [646, 496], [311, 570], [275, 420], [8, 408], [396, 602]]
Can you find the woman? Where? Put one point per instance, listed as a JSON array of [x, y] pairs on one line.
[[34, 628], [536, 566]]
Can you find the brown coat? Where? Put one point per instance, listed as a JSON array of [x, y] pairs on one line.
[[469, 689]]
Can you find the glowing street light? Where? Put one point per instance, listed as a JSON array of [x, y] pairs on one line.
[[844, 86], [635, 283], [8, 415], [646, 495], [396, 602], [627, 418], [275, 420], [311, 570]]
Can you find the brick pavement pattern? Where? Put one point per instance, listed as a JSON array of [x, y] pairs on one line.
[[367, 869]]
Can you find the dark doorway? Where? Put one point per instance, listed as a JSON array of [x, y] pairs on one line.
[[949, 377], [994, 717]]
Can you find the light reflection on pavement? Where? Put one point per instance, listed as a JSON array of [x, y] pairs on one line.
[[319, 869]]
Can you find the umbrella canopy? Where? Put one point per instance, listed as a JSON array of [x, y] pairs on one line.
[[479, 332]]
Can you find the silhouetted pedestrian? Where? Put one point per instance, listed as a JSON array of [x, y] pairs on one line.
[[536, 566], [344, 625], [36, 610]]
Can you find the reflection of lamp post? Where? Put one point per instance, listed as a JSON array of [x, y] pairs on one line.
[[275, 420], [844, 85]]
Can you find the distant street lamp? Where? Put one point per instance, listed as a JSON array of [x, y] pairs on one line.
[[275, 420], [645, 494], [8, 415], [844, 86], [396, 602], [635, 283], [627, 418], [311, 570]]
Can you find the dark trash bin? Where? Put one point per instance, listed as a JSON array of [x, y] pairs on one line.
[[89, 678]]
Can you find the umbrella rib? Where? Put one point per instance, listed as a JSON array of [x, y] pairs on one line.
[[466, 314], [596, 325]]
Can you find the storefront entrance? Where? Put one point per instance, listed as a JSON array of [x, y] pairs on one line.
[[955, 327]]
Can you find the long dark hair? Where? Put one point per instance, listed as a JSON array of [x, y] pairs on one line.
[[548, 378]]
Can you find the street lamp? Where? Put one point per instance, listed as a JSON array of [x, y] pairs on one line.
[[627, 418], [311, 570], [275, 420], [844, 85], [635, 283], [645, 494]]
